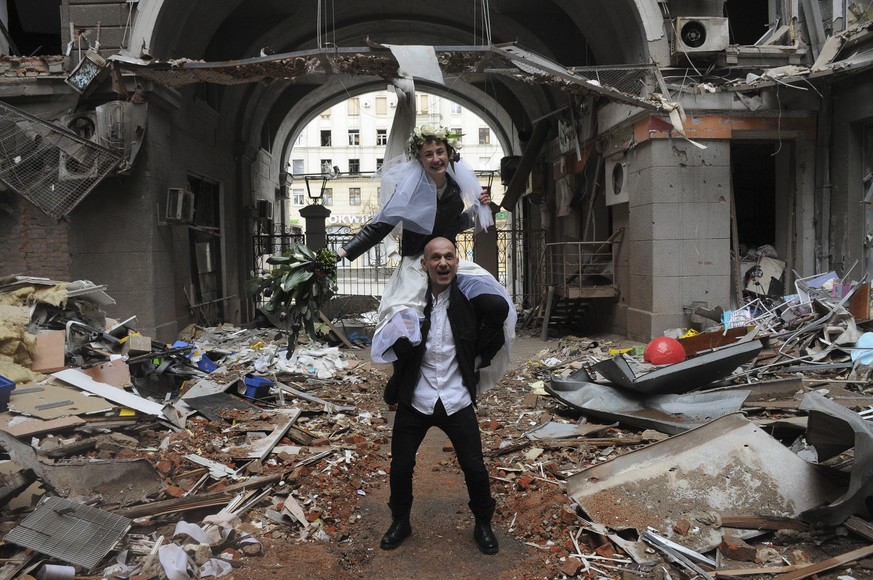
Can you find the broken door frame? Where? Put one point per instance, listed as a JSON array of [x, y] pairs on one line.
[[794, 196]]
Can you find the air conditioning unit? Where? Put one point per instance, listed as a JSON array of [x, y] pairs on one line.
[[700, 35], [616, 181], [78, 161], [508, 167], [265, 209], [180, 206]]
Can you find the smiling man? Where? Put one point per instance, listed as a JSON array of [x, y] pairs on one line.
[[436, 387]]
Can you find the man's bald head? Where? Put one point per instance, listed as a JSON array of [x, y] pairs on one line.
[[440, 261]]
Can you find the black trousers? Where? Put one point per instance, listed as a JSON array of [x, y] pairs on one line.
[[410, 427]]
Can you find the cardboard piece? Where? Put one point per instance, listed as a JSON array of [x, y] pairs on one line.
[[139, 344], [766, 278], [48, 356], [41, 400], [115, 373], [29, 427]]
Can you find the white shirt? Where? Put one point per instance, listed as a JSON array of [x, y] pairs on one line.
[[440, 377]]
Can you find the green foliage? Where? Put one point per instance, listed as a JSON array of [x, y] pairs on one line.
[[300, 283]]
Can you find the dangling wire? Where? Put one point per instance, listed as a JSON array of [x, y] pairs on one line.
[[486, 21], [318, 25], [327, 11]]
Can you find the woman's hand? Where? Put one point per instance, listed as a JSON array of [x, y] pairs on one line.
[[485, 196], [340, 254]]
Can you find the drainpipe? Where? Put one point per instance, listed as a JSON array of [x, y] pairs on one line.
[[823, 170]]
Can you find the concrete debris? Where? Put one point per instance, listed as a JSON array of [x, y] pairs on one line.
[[220, 447]]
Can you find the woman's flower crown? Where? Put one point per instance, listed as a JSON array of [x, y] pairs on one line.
[[439, 133]]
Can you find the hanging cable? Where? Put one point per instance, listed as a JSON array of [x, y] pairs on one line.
[[486, 21], [318, 24]]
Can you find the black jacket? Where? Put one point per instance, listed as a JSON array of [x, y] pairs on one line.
[[449, 222], [474, 337]]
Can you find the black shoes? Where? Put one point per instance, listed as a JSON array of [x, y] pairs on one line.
[[400, 530], [485, 538]]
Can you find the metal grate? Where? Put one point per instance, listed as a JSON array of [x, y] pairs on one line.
[[51, 167], [71, 532], [640, 80]]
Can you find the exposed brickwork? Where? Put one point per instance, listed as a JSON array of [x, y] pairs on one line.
[[26, 67], [33, 244]]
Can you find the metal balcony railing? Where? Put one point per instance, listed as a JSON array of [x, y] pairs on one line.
[[582, 269]]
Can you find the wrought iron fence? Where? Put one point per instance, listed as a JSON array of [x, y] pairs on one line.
[[520, 255], [519, 269]]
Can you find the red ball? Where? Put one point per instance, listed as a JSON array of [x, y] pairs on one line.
[[664, 351]]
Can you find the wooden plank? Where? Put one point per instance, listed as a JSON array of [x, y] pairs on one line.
[[763, 523], [861, 527], [739, 572], [610, 291], [828, 564], [710, 340], [547, 313], [192, 502], [336, 330], [859, 303]]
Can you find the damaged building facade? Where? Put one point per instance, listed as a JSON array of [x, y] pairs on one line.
[[675, 134]]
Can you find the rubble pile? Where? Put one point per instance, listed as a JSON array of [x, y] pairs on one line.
[[750, 458]]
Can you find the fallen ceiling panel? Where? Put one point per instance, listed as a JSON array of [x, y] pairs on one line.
[[666, 413], [728, 467], [832, 429], [119, 481]]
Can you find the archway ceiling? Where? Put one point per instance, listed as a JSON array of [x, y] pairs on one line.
[[571, 32]]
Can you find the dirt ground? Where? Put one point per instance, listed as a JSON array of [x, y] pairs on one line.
[[441, 545]]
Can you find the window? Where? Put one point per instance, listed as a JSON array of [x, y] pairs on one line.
[[457, 131], [421, 104], [354, 107], [354, 136], [456, 109], [297, 197], [381, 105], [484, 136], [299, 140], [326, 165], [325, 114], [381, 136], [297, 167], [354, 166], [379, 162], [327, 197], [325, 138], [354, 196]]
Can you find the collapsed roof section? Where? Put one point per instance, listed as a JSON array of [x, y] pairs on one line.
[[635, 85]]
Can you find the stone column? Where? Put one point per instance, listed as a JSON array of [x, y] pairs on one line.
[[485, 244], [316, 233]]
